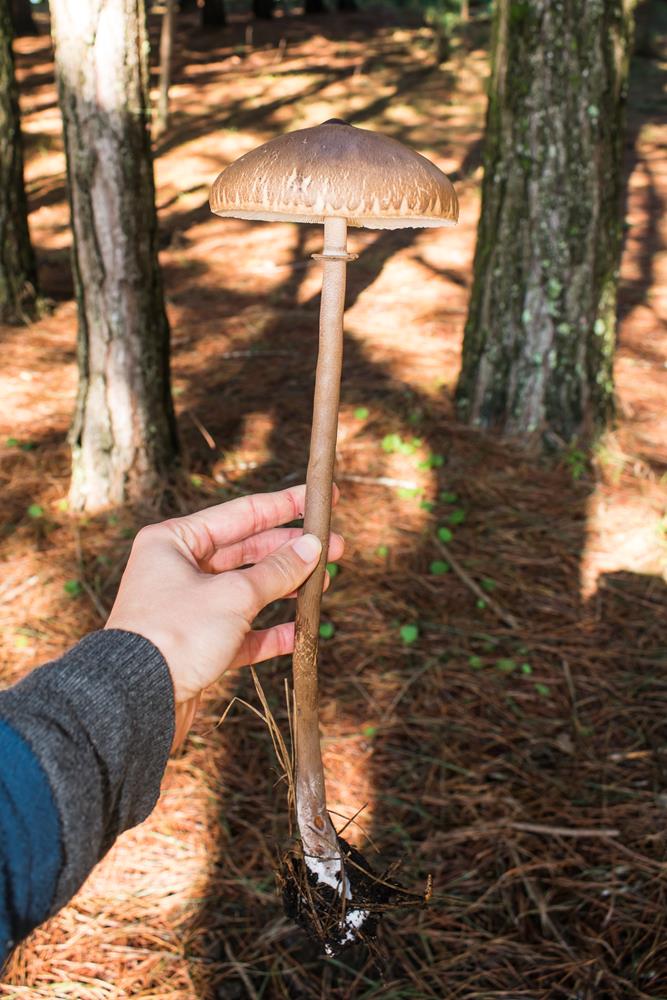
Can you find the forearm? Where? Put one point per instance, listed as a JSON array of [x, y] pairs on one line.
[[99, 722]]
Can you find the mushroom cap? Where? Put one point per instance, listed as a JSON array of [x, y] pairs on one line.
[[336, 170]]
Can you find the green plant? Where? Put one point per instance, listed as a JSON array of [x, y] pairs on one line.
[[576, 462], [13, 442], [72, 588], [444, 534], [439, 567], [394, 444], [361, 413], [432, 462], [409, 634], [333, 569], [327, 630], [457, 516], [34, 510]]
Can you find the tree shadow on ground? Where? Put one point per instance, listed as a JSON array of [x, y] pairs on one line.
[[648, 81], [517, 737], [536, 748], [502, 758]]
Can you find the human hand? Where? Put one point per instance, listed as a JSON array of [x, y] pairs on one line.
[[184, 590]]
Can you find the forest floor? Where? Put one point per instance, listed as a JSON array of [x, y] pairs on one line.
[[513, 744]]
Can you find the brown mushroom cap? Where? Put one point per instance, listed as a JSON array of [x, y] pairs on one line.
[[336, 170]]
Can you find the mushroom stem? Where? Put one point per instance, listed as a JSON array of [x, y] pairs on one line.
[[318, 836]]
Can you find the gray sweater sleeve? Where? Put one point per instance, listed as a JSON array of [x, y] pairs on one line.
[[101, 722]]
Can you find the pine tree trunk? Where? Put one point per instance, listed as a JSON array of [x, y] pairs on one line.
[[124, 436], [263, 9], [24, 22], [213, 14], [166, 58], [18, 278], [539, 340]]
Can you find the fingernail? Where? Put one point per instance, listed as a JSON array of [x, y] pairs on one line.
[[308, 548]]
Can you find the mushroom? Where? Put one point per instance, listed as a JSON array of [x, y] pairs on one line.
[[341, 176]]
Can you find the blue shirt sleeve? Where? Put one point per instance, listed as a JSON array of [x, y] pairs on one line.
[[30, 841]]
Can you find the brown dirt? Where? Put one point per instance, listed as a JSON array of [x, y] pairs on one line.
[[515, 751]]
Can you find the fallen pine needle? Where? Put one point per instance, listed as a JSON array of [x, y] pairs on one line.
[[564, 831]]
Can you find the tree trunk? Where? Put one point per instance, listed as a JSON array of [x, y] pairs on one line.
[[646, 31], [24, 22], [539, 340], [124, 435], [213, 14], [18, 279], [263, 9], [166, 56]]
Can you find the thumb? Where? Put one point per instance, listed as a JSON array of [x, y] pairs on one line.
[[281, 572]]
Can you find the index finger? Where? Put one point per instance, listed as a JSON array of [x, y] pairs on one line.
[[211, 529]]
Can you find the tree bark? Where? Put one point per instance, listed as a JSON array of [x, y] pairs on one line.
[[166, 56], [18, 277], [24, 22], [213, 14], [124, 434], [263, 9], [539, 340]]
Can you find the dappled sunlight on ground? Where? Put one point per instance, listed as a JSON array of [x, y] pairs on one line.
[[498, 620]]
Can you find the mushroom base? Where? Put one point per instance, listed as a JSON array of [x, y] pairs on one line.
[[332, 922]]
